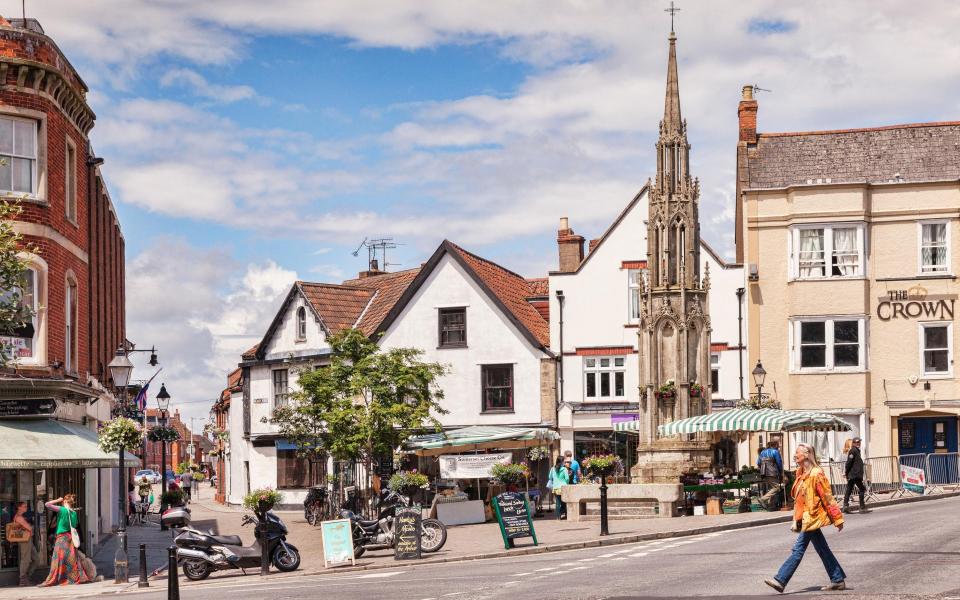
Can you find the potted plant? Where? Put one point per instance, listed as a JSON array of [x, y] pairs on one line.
[[408, 483], [262, 500], [510, 475], [696, 390], [667, 391], [603, 465]]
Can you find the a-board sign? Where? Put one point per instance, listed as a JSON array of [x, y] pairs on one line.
[[513, 515], [407, 528], [337, 539]]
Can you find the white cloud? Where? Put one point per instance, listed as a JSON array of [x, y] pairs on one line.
[[199, 86]]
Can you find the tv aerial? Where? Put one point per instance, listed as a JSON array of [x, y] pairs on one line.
[[374, 247]]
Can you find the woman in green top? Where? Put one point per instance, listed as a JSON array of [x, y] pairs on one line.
[[65, 565], [559, 477]]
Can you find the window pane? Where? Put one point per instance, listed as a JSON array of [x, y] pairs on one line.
[[605, 385], [812, 333], [6, 136], [846, 331], [618, 362], [934, 337], [22, 175], [715, 381], [591, 385], [935, 361], [846, 257], [23, 138], [618, 383], [6, 173], [812, 356], [846, 355], [604, 362], [591, 363], [811, 253]]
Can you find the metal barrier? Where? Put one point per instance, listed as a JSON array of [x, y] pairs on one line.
[[917, 461], [942, 472], [882, 476], [838, 479]]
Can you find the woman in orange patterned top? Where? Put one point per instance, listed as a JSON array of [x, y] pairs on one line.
[[814, 508]]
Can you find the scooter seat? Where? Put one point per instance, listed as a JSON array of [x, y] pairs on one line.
[[227, 540]]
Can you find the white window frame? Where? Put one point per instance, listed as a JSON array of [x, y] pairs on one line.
[[828, 320], [596, 369], [948, 268], [633, 289], [715, 366], [35, 171], [39, 348], [922, 326], [794, 244]]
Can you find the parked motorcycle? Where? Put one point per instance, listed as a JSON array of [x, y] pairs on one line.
[[378, 533], [200, 553]]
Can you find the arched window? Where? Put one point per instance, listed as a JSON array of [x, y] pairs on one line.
[[27, 343], [301, 323], [70, 358]]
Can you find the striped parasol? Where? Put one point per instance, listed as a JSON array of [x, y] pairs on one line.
[[748, 419]]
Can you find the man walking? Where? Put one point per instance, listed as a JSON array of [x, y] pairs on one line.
[[574, 466], [854, 473], [770, 463], [186, 484]]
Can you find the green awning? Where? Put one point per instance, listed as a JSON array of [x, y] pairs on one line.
[[49, 444], [480, 437], [746, 419]]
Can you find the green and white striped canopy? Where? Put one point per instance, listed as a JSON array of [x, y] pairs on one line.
[[479, 437], [748, 419]]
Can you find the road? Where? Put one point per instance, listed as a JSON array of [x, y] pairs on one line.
[[905, 551]]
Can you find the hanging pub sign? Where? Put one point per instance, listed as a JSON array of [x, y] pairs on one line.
[[28, 407], [407, 528], [513, 516], [915, 303]]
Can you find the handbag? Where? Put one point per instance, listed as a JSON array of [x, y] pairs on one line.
[[16, 534], [833, 511], [74, 536]]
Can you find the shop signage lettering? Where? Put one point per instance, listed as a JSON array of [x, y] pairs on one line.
[[27, 407], [407, 528], [337, 539], [513, 515], [471, 466], [915, 303]]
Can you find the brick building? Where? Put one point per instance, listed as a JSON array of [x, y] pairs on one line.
[[57, 383]]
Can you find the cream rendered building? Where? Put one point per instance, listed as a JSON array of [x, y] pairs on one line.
[[849, 242]]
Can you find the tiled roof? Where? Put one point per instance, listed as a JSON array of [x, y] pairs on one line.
[[917, 152], [512, 290], [234, 383], [539, 286], [338, 306], [386, 290], [251, 353]]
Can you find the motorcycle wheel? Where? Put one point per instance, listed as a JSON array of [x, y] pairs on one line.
[[286, 561], [434, 535], [196, 569], [358, 550]]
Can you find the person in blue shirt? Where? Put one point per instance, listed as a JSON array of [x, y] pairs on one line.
[[770, 463], [574, 467]]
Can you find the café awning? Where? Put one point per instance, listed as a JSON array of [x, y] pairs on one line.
[[747, 419], [479, 437], [49, 444]]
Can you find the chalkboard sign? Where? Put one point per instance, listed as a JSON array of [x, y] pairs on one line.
[[337, 537], [407, 528], [513, 515]]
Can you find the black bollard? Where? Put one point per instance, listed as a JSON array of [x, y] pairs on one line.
[[604, 528], [142, 582], [264, 555], [173, 586]]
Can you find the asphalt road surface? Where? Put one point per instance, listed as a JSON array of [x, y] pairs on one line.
[[905, 551]]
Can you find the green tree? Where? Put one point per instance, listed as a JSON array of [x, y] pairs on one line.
[[13, 313], [366, 403]]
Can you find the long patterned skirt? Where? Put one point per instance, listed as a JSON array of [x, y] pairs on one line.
[[65, 565]]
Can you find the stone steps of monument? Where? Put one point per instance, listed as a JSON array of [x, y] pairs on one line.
[[621, 512]]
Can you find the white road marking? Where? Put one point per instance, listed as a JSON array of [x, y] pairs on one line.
[[521, 574], [578, 568], [569, 564], [638, 555], [586, 560], [620, 558], [606, 555], [453, 594], [546, 569]]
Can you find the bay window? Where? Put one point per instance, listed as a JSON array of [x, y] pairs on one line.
[[934, 247], [823, 251], [604, 377], [936, 347], [828, 344]]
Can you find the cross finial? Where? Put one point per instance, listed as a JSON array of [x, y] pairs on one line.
[[673, 11]]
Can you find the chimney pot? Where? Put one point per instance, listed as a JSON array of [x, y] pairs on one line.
[[747, 116], [747, 92], [564, 224]]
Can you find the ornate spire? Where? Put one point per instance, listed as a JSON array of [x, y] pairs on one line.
[[672, 121]]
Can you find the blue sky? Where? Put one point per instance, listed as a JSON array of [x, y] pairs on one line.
[[250, 143]]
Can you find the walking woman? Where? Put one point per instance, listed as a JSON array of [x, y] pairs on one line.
[[815, 508], [65, 565], [559, 477]]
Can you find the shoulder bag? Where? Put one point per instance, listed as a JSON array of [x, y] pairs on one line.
[[74, 536], [16, 534]]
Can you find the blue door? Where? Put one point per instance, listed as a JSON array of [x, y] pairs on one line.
[[924, 435]]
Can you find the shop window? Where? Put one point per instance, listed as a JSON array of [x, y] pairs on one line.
[[937, 349], [828, 344], [281, 388], [715, 372], [298, 472], [301, 324], [827, 251], [934, 247], [604, 377], [452, 327], [497, 387], [18, 155]]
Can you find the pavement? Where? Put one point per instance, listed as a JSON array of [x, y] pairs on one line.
[[559, 540]]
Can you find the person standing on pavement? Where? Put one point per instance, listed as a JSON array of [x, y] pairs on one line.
[[770, 463], [186, 482], [65, 565], [28, 552], [559, 477], [574, 466], [854, 473], [814, 508]]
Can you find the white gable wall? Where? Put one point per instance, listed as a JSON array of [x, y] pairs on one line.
[[723, 319], [284, 340], [491, 339]]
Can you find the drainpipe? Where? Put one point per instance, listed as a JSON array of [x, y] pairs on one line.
[[560, 300], [740, 292]]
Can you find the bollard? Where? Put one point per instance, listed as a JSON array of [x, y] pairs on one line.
[[142, 582], [264, 555], [173, 586], [604, 528]]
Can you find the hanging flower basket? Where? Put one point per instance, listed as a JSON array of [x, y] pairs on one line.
[[119, 434], [510, 475], [696, 390], [667, 391], [163, 434], [537, 453], [408, 482], [603, 465]]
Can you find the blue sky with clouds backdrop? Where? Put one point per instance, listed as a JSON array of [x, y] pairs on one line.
[[251, 143]]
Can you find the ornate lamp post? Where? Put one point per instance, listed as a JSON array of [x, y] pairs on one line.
[[163, 403], [759, 375], [120, 370]]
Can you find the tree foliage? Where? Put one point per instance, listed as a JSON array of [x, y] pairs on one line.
[[365, 403], [13, 313]]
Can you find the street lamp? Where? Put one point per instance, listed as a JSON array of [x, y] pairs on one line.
[[120, 370], [759, 374], [163, 403]]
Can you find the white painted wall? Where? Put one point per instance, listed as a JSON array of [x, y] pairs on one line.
[[724, 282], [491, 339], [284, 340]]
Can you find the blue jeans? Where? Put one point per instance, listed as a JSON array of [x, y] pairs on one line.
[[826, 555]]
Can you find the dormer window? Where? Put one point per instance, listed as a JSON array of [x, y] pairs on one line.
[[301, 324]]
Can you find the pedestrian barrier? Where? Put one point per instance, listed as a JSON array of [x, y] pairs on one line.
[[838, 479], [882, 476], [942, 472], [917, 461]]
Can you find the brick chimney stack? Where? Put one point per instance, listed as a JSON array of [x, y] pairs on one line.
[[570, 246], [747, 113]]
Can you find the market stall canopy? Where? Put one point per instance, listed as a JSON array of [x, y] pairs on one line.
[[479, 437], [748, 419], [49, 444]]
